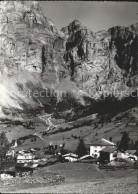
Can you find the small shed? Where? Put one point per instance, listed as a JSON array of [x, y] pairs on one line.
[[108, 154]]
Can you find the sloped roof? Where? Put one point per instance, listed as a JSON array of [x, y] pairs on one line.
[[109, 149], [102, 142], [71, 155], [86, 156]]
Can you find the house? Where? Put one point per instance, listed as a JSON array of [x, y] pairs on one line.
[[11, 153], [128, 154], [24, 168], [108, 154], [24, 157], [70, 157], [99, 145]]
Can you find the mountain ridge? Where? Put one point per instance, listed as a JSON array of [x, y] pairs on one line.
[[35, 56]]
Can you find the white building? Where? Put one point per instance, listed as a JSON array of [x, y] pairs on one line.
[[110, 153], [99, 145], [23, 157], [128, 154], [71, 157], [15, 144], [4, 176], [10, 153]]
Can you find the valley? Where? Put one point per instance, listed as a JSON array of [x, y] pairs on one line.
[[68, 104]]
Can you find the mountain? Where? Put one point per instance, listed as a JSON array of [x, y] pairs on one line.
[[38, 59], [103, 62]]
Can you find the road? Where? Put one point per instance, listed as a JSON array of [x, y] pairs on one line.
[[47, 118]]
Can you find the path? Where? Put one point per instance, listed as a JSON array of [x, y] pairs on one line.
[[47, 118]]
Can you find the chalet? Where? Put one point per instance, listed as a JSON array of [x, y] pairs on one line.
[[24, 157], [99, 145], [70, 157]]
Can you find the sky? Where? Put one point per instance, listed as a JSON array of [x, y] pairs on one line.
[[95, 15]]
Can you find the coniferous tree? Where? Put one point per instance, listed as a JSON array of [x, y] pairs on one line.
[[3, 140], [124, 143], [4, 146], [81, 149]]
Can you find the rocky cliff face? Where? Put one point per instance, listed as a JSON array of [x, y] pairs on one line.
[[30, 45], [28, 40], [103, 62], [35, 55]]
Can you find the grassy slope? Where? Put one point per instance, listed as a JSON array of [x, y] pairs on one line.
[[81, 178], [89, 134]]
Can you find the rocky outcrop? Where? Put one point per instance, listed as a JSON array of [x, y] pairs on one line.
[[30, 44], [103, 62], [28, 39], [124, 40]]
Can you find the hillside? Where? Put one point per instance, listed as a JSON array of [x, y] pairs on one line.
[[90, 128]]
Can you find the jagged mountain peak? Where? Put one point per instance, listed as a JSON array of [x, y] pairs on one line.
[[75, 22], [73, 26]]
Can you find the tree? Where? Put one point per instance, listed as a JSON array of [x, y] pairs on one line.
[[81, 149], [4, 146], [124, 143], [3, 140]]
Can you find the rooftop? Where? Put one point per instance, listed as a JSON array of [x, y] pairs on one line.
[[86, 156], [71, 155], [103, 142], [109, 149]]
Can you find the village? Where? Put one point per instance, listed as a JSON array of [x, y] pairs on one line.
[[105, 154], [36, 153]]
